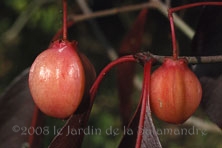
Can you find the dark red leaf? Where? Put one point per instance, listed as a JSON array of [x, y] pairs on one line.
[[129, 138], [16, 115], [74, 123], [207, 41], [126, 71], [142, 127], [147, 136]]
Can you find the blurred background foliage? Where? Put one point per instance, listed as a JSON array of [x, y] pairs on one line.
[[27, 27]]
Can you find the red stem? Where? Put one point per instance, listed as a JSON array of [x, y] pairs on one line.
[[33, 124], [145, 101], [94, 88], [195, 5], [64, 19], [174, 42], [170, 15], [60, 31]]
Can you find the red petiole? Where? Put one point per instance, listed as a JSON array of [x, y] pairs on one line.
[[94, 88], [145, 101], [64, 19]]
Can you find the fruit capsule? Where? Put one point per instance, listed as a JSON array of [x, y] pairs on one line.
[[175, 91], [57, 79]]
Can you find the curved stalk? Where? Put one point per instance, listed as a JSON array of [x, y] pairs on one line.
[[94, 88]]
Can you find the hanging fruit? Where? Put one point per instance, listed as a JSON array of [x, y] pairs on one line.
[[60, 76], [175, 91]]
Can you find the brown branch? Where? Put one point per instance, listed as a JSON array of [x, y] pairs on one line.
[[191, 59], [205, 59], [153, 4], [112, 11]]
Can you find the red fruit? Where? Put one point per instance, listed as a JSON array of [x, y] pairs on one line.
[[57, 79], [175, 91]]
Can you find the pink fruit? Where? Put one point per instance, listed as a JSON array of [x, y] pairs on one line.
[[175, 91], [57, 79]]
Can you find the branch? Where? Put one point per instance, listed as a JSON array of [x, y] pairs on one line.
[[113, 11], [189, 32], [97, 31], [202, 124], [143, 56], [153, 4]]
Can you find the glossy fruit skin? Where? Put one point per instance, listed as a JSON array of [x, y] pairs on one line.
[[57, 79], [175, 91]]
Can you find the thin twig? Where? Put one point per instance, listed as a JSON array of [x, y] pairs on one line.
[[153, 4], [168, 3], [186, 29], [113, 11], [204, 125], [97, 31], [190, 59], [204, 59]]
